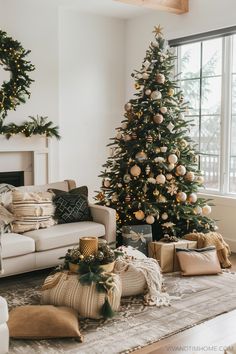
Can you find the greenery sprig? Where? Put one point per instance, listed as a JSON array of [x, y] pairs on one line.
[[35, 126], [13, 59]]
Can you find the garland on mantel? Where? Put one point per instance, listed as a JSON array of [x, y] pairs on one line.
[[35, 126], [12, 58]]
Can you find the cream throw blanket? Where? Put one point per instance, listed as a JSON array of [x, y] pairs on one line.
[[149, 267]]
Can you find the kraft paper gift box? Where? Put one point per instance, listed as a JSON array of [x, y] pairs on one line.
[[137, 236], [165, 253]]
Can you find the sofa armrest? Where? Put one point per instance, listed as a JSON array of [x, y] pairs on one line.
[[107, 217]]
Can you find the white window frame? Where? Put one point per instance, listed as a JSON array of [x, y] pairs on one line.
[[226, 115]]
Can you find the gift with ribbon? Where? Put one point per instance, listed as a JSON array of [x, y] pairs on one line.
[[137, 236]]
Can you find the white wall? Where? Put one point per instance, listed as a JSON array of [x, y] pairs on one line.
[[203, 16], [35, 24], [91, 92]]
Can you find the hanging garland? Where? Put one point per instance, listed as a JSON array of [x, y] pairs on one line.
[[38, 125], [12, 58]]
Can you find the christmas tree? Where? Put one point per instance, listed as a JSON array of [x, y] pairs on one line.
[[152, 176]]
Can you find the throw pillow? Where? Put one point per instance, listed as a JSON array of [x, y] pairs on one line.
[[5, 216], [43, 322], [79, 190], [200, 261], [32, 210], [71, 206], [6, 195]]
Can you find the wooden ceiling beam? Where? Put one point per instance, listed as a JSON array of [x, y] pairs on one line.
[[174, 6]]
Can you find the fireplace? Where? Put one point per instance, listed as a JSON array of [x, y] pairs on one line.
[[15, 178]]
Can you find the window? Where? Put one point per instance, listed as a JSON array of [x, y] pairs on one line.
[[207, 75]]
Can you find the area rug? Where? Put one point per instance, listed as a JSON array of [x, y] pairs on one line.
[[197, 299]]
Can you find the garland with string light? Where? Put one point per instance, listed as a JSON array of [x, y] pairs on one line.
[[35, 126], [12, 58]]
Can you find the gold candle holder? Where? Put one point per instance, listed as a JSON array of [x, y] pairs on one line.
[[88, 245]]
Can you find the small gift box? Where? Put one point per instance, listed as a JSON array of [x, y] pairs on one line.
[[165, 253], [137, 236]]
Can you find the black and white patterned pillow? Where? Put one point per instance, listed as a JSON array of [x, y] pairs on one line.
[[71, 208]]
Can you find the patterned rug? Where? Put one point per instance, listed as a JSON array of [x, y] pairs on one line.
[[197, 299]]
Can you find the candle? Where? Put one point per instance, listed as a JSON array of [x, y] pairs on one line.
[[88, 245]]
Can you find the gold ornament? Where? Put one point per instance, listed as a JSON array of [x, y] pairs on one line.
[[180, 170], [190, 176], [181, 197], [160, 179], [136, 86], [183, 143], [161, 199], [114, 197], [141, 156], [150, 219], [172, 158], [169, 176], [158, 31], [160, 78], [127, 178], [100, 196], [171, 166], [164, 216], [135, 171], [172, 189], [139, 215], [156, 193], [117, 216], [106, 183], [192, 198], [171, 92], [157, 150], [158, 118]]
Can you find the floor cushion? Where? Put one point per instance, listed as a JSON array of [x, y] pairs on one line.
[[64, 234]]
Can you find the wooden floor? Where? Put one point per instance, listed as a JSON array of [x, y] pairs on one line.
[[209, 337]]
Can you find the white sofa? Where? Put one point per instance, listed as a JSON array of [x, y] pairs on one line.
[[4, 332], [41, 248]]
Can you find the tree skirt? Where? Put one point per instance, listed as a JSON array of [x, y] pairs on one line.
[[197, 299]]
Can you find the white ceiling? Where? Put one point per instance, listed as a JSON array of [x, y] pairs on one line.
[[105, 7]]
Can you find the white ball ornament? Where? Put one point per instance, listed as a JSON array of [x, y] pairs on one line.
[[181, 197], [164, 216], [106, 183], [124, 125], [156, 95], [150, 219], [200, 179], [148, 92], [206, 210], [172, 158], [158, 118], [160, 179], [160, 78], [141, 156], [128, 106], [135, 171], [190, 176], [192, 198], [198, 210], [139, 215], [163, 110], [155, 44], [180, 170], [145, 76]]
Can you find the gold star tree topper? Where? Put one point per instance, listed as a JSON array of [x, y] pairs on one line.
[[158, 31]]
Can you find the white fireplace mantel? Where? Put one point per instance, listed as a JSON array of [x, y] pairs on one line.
[[39, 149]]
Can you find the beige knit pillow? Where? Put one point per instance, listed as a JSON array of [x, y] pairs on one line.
[[32, 211], [63, 289], [43, 322]]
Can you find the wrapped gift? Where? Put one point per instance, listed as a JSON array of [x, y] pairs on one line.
[[137, 236], [165, 253]]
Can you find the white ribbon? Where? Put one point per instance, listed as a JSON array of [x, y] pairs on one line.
[[135, 236]]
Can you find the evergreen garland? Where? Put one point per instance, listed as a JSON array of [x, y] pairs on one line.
[[35, 126], [12, 58]]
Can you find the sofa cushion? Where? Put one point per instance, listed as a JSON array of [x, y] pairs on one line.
[[3, 310], [64, 234], [14, 245]]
